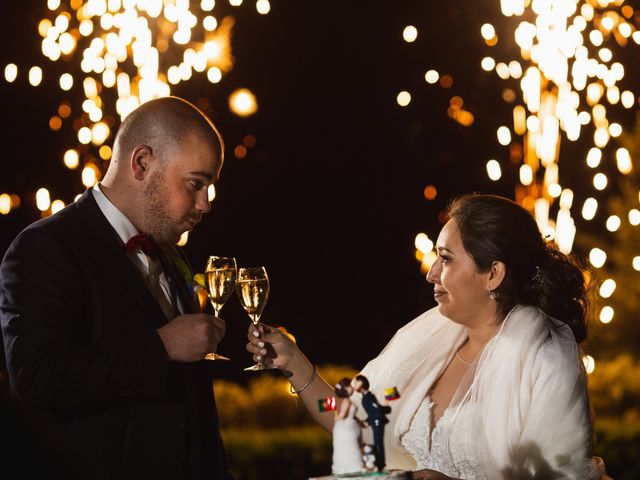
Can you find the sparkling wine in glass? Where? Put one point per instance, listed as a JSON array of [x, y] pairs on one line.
[[253, 290], [220, 276]]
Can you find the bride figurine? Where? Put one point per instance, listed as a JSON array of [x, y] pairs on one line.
[[347, 455]]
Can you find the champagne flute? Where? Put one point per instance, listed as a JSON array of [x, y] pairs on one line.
[[220, 277], [253, 291]]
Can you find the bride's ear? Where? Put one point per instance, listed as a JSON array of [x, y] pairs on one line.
[[497, 272]]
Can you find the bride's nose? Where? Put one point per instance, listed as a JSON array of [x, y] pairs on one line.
[[433, 275]]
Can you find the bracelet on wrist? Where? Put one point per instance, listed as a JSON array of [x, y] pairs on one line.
[[293, 391]]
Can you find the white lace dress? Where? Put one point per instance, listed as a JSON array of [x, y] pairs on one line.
[[347, 456], [455, 456]]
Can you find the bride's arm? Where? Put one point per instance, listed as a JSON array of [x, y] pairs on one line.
[[274, 348]]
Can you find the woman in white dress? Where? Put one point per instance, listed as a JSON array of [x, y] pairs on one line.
[[492, 378], [347, 454]]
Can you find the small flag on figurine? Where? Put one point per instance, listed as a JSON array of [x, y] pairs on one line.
[[391, 393], [327, 404]]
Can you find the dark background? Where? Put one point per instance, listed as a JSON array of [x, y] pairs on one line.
[[331, 197]]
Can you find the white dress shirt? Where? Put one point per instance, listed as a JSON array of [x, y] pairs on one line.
[[125, 229]]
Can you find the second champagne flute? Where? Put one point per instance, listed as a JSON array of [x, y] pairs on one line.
[[253, 291], [220, 275]]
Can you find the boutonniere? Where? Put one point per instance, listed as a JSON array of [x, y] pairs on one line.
[[200, 290], [184, 271], [196, 285]]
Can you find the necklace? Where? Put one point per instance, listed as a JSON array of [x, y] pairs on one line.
[[464, 361]]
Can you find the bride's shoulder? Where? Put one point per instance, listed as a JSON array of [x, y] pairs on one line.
[[558, 362]]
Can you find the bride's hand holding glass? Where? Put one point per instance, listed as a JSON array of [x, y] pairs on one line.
[[253, 292], [273, 347]]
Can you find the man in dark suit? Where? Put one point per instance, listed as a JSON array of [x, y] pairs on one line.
[[377, 418], [104, 342]]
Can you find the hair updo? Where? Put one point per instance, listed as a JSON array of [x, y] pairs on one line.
[[341, 388], [494, 228]]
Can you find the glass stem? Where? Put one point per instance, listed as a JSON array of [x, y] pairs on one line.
[[256, 322]]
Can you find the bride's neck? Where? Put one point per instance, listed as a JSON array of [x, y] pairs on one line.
[[478, 337]]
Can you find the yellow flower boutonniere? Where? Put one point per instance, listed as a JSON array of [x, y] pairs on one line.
[[200, 290]]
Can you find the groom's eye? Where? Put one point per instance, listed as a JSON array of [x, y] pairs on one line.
[[196, 184]]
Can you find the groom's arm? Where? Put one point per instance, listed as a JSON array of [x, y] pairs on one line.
[[52, 361]]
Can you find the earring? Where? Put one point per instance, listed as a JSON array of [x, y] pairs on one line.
[[492, 295]]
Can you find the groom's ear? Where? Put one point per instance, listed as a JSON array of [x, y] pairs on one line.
[[497, 272], [140, 160]]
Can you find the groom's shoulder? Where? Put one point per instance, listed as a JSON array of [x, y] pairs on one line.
[[62, 222], [61, 225]]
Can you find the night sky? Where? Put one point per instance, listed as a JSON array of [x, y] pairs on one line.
[[331, 197]]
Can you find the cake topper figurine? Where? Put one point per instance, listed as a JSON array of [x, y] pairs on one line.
[[350, 456], [368, 457], [376, 416], [347, 454]]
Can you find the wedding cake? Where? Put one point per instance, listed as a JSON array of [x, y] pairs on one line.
[[392, 475], [364, 469]]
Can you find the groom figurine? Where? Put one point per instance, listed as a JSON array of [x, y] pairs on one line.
[[376, 417]]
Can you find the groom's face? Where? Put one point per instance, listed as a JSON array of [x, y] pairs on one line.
[[175, 197], [357, 385]]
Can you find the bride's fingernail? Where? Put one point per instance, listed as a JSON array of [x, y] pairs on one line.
[[263, 351], [261, 344], [259, 358], [256, 333]]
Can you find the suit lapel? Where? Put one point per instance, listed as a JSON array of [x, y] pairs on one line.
[[109, 243]]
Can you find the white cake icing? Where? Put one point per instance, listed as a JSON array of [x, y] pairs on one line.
[[393, 475]]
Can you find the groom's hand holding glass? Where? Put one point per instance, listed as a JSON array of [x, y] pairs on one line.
[[189, 337]]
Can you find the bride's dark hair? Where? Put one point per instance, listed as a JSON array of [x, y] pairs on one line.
[[341, 388], [495, 228]]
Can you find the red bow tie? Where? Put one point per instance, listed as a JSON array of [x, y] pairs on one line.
[[144, 242]]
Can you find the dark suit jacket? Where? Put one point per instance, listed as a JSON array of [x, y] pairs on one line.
[[375, 411], [84, 358]]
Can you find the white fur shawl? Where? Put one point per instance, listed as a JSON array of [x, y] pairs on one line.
[[529, 389]]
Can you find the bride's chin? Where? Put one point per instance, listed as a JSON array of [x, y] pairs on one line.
[[446, 312]]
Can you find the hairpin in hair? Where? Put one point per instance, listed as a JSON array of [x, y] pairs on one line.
[[536, 280]]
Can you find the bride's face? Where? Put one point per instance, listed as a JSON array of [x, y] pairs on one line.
[[461, 291]]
